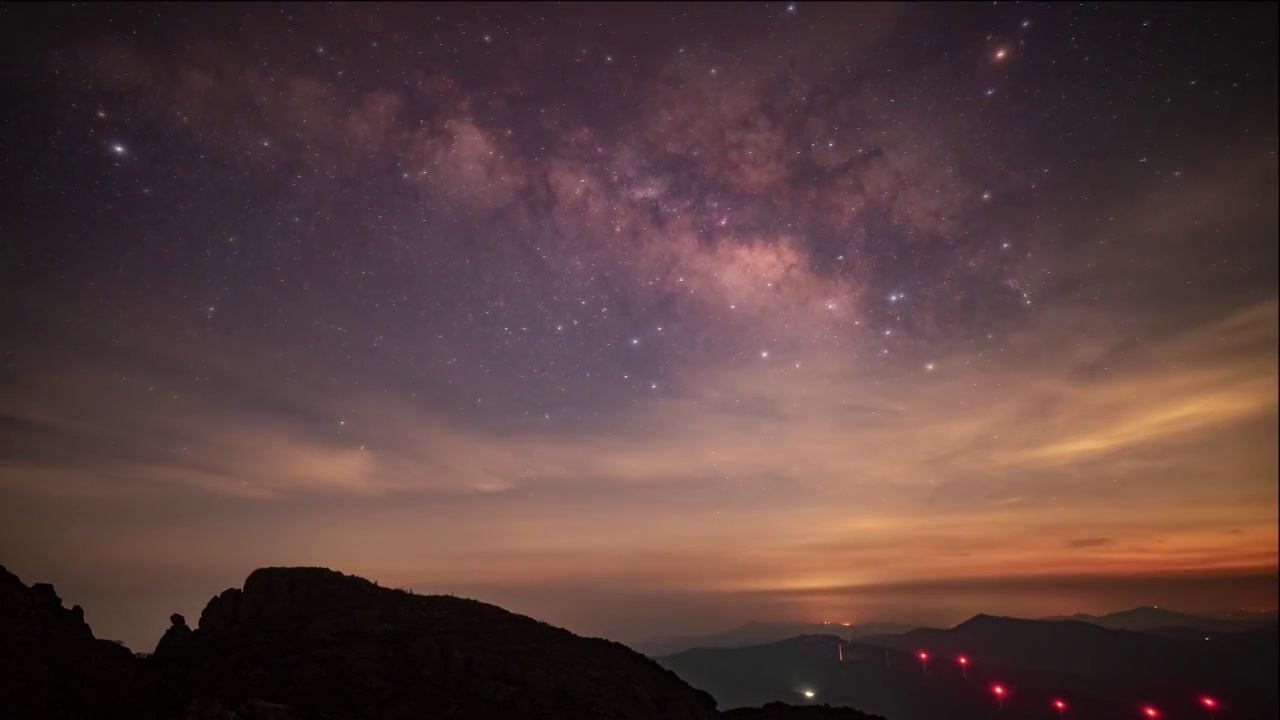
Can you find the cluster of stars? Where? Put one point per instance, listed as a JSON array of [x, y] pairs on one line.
[[564, 233]]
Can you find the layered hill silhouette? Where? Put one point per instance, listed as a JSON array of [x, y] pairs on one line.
[[304, 643], [782, 711], [1242, 664], [1101, 673], [1159, 621], [759, 633], [1164, 621]]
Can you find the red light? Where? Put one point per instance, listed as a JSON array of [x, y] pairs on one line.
[[924, 656], [997, 689], [1150, 712], [963, 660], [1059, 704], [1208, 702]]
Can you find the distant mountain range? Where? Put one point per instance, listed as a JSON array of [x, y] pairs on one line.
[[1144, 619], [313, 644], [1101, 673], [759, 633], [1141, 619]]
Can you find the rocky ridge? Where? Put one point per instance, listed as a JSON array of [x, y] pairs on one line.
[[311, 643]]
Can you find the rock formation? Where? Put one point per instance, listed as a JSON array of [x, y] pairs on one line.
[[326, 644], [176, 637], [51, 665], [313, 644]]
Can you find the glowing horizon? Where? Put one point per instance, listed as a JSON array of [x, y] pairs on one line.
[[686, 321]]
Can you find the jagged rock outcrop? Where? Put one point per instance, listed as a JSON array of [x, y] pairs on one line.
[[313, 644], [176, 637], [222, 611], [324, 644], [51, 665]]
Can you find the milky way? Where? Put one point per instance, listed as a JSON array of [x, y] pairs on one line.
[[639, 318]]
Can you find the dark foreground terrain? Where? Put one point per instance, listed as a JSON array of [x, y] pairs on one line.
[[304, 643], [1099, 672]]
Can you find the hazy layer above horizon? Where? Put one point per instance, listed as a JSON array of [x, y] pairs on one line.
[[643, 323]]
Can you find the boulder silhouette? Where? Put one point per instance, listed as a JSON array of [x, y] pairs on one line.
[[175, 637]]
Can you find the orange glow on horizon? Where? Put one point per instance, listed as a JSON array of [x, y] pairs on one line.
[[778, 337], [735, 540]]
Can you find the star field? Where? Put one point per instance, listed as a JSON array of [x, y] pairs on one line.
[[642, 317]]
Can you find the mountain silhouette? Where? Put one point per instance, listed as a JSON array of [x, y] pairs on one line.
[[51, 665], [782, 711], [311, 643], [1101, 673], [324, 643], [1145, 619], [759, 633], [1146, 660], [885, 682]]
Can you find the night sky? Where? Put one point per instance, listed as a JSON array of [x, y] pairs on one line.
[[643, 319]]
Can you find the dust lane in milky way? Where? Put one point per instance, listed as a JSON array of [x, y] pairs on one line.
[[641, 319]]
